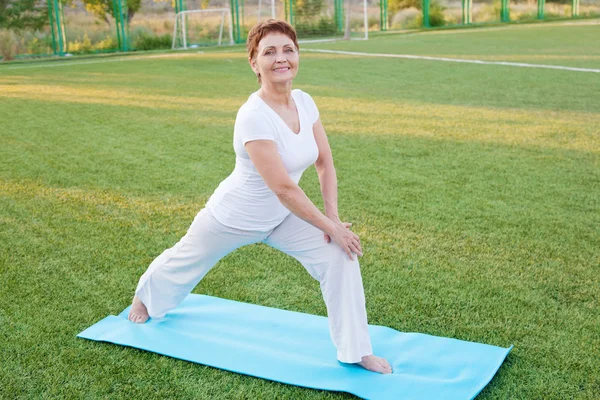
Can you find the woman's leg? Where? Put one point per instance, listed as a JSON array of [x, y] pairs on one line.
[[340, 281], [173, 274]]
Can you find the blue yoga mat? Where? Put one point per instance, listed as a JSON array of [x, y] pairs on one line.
[[295, 348]]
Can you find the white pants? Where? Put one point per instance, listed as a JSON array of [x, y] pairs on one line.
[[173, 274]]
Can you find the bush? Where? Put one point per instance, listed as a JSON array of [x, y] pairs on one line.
[[436, 16], [309, 8], [373, 22], [405, 19], [83, 45], [144, 38], [396, 5], [356, 24], [86, 45], [489, 12], [140, 30], [524, 16], [10, 44], [144, 42], [108, 43], [37, 43], [323, 27]]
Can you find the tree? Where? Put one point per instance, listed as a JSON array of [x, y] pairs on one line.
[[103, 8], [396, 5], [22, 14]]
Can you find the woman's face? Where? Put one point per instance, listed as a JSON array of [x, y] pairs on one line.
[[276, 59]]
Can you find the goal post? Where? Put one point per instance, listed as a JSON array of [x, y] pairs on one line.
[[357, 11], [269, 6], [201, 27]]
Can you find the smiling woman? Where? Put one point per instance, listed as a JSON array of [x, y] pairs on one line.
[[277, 135], [282, 36]]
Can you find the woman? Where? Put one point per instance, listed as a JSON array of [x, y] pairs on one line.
[[277, 136]]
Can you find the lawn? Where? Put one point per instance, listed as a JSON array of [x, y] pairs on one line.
[[475, 190]]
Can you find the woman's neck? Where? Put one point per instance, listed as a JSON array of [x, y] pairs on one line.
[[280, 94]]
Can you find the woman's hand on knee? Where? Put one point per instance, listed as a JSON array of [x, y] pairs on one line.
[[345, 238], [347, 225]]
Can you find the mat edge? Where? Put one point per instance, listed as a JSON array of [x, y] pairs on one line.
[[487, 381]]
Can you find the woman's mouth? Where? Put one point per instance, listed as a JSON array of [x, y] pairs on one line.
[[281, 69]]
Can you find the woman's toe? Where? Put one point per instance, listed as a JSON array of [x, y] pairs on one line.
[[386, 365]]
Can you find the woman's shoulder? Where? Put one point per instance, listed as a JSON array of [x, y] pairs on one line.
[[306, 98], [300, 92], [252, 112], [252, 102], [252, 106]]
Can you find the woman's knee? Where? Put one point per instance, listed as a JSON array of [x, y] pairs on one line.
[[338, 261]]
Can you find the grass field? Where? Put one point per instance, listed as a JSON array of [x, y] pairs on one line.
[[475, 190]]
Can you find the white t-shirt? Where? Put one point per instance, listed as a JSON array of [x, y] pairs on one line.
[[243, 200]]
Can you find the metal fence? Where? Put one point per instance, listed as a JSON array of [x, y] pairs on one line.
[[475, 12], [100, 26]]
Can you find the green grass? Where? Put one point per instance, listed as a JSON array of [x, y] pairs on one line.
[[475, 191], [553, 44]]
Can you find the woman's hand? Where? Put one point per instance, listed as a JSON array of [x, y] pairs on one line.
[[347, 225], [348, 240]]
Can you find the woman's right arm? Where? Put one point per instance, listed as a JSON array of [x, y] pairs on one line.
[[266, 160]]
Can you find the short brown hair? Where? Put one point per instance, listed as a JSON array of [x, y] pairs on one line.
[[264, 28]]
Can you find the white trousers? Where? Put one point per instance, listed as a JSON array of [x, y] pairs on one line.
[[173, 274]]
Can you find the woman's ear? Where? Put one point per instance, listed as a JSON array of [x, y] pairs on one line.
[[252, 63]]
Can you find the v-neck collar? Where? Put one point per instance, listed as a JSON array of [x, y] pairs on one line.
[[279, 116]]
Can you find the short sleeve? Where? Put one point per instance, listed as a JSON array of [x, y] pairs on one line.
[[253, 125], [311, 107]]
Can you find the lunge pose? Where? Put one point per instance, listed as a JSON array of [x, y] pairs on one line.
[[277, 136]]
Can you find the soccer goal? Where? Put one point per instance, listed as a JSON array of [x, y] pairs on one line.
[[194, 28]]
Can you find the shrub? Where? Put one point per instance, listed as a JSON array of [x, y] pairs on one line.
[[524, 16], [37, 43], [373, 22], [140, 30], [323, 27], [81, 46], [396, 5], [405, 19], [436, 16], [356, 24], [144, 42], [552, 15], [10, 44], [109, 43], [309, 8], [489, 12]]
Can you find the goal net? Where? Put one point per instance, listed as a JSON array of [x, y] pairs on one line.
[[315, 19], [195, 28]]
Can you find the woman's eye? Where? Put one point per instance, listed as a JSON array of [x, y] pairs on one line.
[[289, 50], [268, 53]]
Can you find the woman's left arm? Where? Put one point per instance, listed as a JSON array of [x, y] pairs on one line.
[[326, 172], [327, 176]]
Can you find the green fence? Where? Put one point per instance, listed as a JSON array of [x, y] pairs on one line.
[[434, 13], [98, 26], [84, 29]]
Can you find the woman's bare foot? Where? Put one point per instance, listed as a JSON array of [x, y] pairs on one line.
[[376, 364], [138, 312]]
